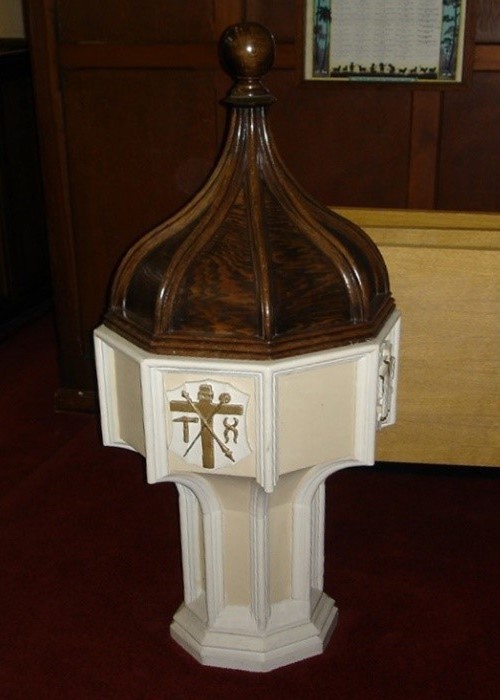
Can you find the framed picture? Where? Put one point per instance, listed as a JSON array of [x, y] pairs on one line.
[[389, 41]]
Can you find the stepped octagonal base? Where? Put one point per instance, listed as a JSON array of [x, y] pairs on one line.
[[293, 639]]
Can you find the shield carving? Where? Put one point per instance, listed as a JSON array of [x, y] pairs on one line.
[[207, 423]]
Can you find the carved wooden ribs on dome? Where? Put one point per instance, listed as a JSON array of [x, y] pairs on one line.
[[252, 267]]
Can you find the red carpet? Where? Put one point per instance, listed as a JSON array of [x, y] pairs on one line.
[[91, 575]]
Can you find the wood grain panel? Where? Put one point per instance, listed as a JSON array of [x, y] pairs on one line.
[[134, 158], [226, 13], [278, 16], [197, 56], [469, 167], [76, 372], [487, 57], [424, 149], [349, 147], [488, 22], [445, 276], [135, 21]]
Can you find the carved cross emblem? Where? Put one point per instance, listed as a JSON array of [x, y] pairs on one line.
[[211, 420]]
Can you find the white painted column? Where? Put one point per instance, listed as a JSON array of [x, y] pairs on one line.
[[252, 516]]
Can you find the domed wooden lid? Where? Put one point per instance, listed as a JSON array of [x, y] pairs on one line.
[[252, 267]]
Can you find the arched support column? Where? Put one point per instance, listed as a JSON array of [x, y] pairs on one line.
[[253, 570], [309, 531], [202, 545], [260, 604]]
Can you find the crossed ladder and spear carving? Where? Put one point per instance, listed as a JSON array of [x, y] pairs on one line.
[[205, 410]]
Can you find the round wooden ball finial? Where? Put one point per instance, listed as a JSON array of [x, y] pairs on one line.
[[247, 50], [247, 53]]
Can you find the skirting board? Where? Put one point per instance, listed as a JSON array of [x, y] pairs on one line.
[[445, 276]]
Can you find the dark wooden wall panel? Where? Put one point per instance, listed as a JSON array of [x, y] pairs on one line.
[[279, 16], [346, 147], [133, 159], [469, 167], [135, 21], [488, 22]]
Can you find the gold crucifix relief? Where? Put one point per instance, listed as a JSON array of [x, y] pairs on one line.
[[209, 422]]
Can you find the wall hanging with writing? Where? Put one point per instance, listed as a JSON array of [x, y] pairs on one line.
[[385, 40]]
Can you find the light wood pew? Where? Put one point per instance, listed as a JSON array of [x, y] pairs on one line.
[[445, 275]]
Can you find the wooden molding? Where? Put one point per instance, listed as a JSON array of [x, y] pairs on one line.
[[486, 57], [196, 55]]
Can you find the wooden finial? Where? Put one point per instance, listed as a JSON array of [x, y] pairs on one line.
[[247, 53]]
